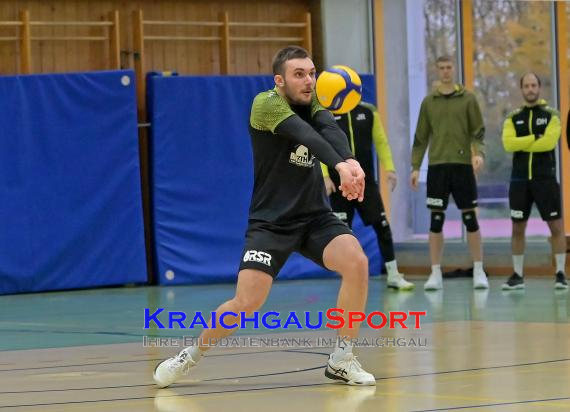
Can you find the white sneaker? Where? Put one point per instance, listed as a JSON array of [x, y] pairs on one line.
[[434, 282], [480, 280], [170, 370], [348, 370], [399, 283]]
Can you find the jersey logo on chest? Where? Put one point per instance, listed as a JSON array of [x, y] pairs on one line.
[[301, 157]]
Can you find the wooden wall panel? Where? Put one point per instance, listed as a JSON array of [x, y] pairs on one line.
[[186, 57], [316, 31], [9, 51]]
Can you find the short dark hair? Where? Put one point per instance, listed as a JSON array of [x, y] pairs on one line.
[[444, 58], [288, 53], [534, 74]]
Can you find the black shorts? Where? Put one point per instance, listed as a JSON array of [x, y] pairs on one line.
[[268, 245], [451, 178], [546, 194], [371, 209]]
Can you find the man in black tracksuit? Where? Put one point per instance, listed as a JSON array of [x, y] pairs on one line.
[[531, 133], [364, 131]]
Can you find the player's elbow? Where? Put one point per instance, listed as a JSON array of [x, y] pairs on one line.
[[509, 146]]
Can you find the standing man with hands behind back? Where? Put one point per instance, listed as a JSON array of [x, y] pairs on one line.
[[450, 122]]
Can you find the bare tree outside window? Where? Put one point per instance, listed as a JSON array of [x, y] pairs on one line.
[[440, 27], [510, 38]]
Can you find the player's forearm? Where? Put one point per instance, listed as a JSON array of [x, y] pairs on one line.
[[381, 144], [477, 127], [513, 143], [549, 140], [327, 127], [385, 156], [421, 138], [478, 142], [418, 151], [298, 130]]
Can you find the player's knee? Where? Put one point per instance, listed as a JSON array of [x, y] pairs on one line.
[[437, 219], [357, 269], [556, 228], [361, 263], [248, 304], [470, 221]]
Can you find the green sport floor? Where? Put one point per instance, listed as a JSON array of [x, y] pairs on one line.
[[484, 350]]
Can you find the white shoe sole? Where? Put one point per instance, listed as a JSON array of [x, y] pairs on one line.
[[517, 287], [430, 288], [395, 286], [334, 377]]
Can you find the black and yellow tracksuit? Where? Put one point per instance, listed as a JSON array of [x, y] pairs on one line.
[[365, 134], [364, 130], [532, 133]]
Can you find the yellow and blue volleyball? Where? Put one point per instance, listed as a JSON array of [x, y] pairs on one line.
[[339, 89]]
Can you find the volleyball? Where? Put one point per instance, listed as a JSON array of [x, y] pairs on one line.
[[339, 89]]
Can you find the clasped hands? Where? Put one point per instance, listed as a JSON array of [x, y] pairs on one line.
[[351, 179]]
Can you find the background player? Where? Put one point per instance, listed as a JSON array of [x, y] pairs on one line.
[[450, 122], [532, 132], [363, 128]]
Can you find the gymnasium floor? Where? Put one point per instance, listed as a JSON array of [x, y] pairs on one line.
[[494, 351]]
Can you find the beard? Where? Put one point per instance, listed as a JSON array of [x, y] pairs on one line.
[[297, 99], [531, 97]]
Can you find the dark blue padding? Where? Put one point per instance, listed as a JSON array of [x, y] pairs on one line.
[[202, 178], [71, 213]]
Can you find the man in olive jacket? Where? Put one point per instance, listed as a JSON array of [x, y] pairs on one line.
[[451, 124], [531, 133]]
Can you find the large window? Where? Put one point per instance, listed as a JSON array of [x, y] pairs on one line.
[[510, 38], [440, 34]]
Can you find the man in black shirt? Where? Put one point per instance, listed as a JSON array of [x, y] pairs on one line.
[[364, 129], [289, 212]]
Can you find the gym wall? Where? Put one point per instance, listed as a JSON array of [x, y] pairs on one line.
[[187, 57]]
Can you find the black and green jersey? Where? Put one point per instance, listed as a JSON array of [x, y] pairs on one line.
[[287, 140], [532, 133]]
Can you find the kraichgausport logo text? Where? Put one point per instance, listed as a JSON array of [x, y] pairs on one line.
[[335, 318]]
